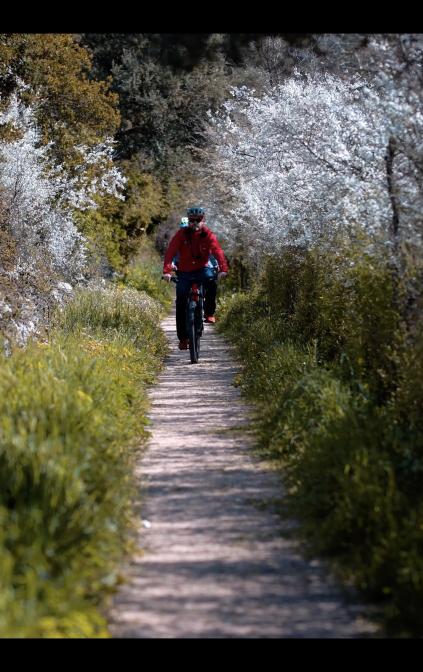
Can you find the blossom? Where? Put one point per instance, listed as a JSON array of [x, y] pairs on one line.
[[306, 159], [39, 199]]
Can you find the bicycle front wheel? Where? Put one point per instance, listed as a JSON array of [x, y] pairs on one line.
[[192, 335], [198, 328]]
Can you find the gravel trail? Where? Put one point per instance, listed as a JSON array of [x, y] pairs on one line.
[[213, 560]]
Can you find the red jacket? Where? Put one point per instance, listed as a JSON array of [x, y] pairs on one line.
[[194, 248]]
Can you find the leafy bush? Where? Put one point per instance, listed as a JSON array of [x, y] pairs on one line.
[[147, 279], [348, 489], [409, 393], [345, 304], [104, 234], [339, 403], [359, 327], [145, 272]]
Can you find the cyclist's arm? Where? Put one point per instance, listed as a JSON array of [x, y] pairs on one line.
[[217, 252], [171, 252]]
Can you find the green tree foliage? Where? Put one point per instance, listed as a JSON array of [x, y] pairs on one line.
[[75, 115], [180, 51], [166, 84], [146, 200], [163, 107], [116, 228], [72, 108]]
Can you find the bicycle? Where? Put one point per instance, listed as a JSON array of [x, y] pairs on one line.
[[194, 318]]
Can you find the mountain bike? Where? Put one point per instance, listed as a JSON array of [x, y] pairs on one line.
[[194, 318]]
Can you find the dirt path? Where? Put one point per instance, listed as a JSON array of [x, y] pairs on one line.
[[213, 562]]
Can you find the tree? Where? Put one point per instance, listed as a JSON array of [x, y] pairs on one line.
[[71, 108], [38, 199], [312, 152]]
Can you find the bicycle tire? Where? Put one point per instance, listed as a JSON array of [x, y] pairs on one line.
[[192, 336], [197, 345], [198, 329]]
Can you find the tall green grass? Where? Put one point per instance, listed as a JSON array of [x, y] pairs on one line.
[[339, 403], [72, 420]]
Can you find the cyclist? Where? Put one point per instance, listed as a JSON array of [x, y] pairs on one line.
[[182, 224], [210, 291], [209, 285], [193, 244]]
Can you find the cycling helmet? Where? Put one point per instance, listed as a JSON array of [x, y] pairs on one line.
[[183, 223], [196, 211]]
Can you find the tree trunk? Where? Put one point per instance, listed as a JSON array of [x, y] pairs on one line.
[[389, 158], [397, 304]]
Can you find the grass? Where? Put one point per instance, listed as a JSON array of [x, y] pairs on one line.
[[72, 422], [350, 457]]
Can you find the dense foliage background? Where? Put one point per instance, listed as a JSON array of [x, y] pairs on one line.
[[307, 152]]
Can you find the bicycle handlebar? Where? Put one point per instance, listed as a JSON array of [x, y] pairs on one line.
[[174, 279]]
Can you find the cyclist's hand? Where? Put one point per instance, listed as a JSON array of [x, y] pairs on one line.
[[222, 275], [167, 277]]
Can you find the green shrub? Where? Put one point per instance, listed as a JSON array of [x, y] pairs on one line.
[[344, 301], [347, 491], [339, 409], [147, 279], [105, 234], [306, 408], [408, 397], [358, 326], [145, 273]]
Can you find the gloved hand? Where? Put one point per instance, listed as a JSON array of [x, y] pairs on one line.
[[166, 276], [222, 275]]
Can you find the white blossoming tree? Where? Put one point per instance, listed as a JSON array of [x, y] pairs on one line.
[[317, 155], [39, 199]]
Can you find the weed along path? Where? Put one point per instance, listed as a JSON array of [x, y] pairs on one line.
[[213, 561]]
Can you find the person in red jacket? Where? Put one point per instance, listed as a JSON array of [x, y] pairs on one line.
[[193, 245]]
